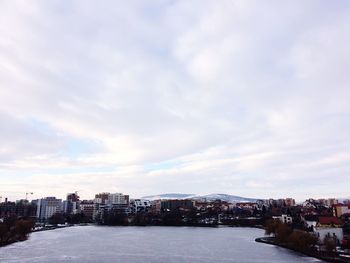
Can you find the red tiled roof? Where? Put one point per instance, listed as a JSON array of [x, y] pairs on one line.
[[329, 220]]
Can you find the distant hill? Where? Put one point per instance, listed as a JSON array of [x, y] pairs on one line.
[[168, 196], [210, 197]]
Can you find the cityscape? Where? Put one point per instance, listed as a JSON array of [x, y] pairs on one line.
[[326, 219], [167, 131]]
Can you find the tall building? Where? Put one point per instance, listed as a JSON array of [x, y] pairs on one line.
[[101, 198], [100, 201], [110, 203], [47, 207], [71, 204], [118, 199]]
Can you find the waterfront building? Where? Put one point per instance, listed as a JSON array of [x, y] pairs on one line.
[[118, 202], [176, 204], [156, 206], [101, 198], [87, 208], [20, 208], [118, 199], [47, 207], [7, 209], [100, 201], [139, 205], [24, 208], [106, 203], [72, 204]]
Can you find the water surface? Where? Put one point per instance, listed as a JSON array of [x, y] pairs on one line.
[[148, 244]]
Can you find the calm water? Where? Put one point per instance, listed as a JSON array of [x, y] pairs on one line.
[[147, 244]]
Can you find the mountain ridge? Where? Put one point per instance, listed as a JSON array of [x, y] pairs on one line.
[[209, 197]]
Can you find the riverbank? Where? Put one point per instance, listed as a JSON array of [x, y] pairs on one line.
[[15, 230], [315, 254], [39, 229], [47, 228]]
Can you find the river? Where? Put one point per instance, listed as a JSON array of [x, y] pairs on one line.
[[147, 244]]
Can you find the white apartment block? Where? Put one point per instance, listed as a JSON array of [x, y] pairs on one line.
[[47, 207]]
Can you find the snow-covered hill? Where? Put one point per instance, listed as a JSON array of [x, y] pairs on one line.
[[168, 196], [209, 197]]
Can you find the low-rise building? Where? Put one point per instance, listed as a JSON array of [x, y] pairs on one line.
[[176, 204], [284, 219], [330, 232], [329, 221], [87, 208], [139, 205]]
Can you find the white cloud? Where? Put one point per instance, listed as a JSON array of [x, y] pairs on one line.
[[238, 96]]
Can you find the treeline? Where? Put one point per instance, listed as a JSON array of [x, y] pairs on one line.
[[176, 218], [14, 229], [297, 239], [171, 218]]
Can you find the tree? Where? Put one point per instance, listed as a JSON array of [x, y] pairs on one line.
[[56, 219], [302, 241], [23, 228], [271, 226], [329, 244], [4, 233], [283, 231]]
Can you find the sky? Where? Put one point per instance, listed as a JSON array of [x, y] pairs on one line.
[[249, 98]]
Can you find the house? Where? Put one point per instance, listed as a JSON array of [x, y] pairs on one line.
[[284, 219], [329, 221], [330, 232]]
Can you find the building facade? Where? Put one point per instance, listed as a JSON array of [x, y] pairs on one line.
[[47, 207]]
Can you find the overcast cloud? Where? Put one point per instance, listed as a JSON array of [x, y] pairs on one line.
[[250, 98]]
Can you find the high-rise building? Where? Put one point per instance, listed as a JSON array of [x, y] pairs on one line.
[[118, 199], [99, 204], [107, 203], [71, 204], [47, 207]]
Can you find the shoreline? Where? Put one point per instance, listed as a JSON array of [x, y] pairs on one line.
[[317, 255], [39, 230]]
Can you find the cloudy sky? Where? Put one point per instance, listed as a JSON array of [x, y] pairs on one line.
[[250, 98]]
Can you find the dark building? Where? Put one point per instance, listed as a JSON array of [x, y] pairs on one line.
[[173, 205], [71, 205], [87, 208], [21, 208]]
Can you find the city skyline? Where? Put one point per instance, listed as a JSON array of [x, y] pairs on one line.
[[236, 97]]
